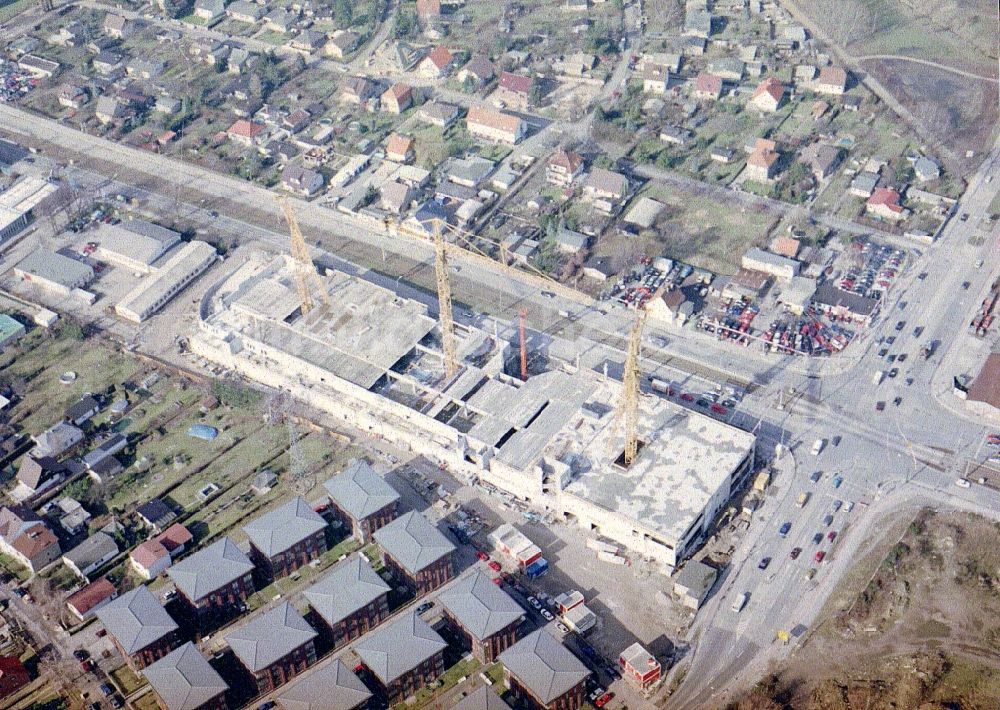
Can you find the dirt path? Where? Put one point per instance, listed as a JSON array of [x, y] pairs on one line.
[[927, 62]]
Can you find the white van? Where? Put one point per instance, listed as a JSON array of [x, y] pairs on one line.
[[817, 447], [741, 601]]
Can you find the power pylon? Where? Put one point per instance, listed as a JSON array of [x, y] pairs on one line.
[[306, 279], [444, 303]]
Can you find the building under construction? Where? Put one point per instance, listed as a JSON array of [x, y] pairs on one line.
[[555, 441]]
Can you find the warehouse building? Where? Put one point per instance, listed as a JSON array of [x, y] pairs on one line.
[[53, 272], [154, 291], [134, 244], [774, 264], [20, 204], [374, 360]]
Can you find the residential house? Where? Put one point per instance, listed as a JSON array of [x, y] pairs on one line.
[[248, 133], [672, 307], [563, 167], [145, 68], [697, 23], [274, 647], [769, 95], [428, 8], [25, 537], [831, 80], [785, 246], [543, 674], [469, 172], [333, 686], [675, 135], [438, 113], [58, 440], [350, 600], [598, 268], [342, 43], [308, 41], [13, 676], [576, 5], [399, 148], [707, 86], [639, 667], [82, 411], [117, 26], [108, 62], [36, 475], [490, 124], [864, 184], [112, 110], [483, 699], [357, 90], [570, 242], [71, 35], [184, 680], [605, 189], [91, 554], [723, 154], [362, 500], [280, 20], [286, 538], [209, 10], [214, 582], [762, 164], [416, 553], [397, 98], [822, 159], [478, 70], [139, 627], [437, 64], [85, 603], [483, 615], [301, 180], [73, 96], [176, 538], [241, 60], [149, 559], [513, 91], [156, 514], [73, 517], [396, 197], [655, 78], [168, 105], [403, 656], [885, 203], [243, 11], [926, 169], [296, 120]]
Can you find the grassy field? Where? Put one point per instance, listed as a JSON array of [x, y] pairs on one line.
[[126, 680]]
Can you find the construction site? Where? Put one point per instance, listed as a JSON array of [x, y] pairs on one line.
[[565, 440]]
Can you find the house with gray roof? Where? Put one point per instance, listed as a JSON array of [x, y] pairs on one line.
[[483, 613], [139, 627], [214, 582], [362, 499], [91, 554], [334, 686], [39, 474], [543, 673], [184, 680], [274, 647], [416, 553], [286, 538], [403, 655], [483, 699], [57, 440], [351, 600]]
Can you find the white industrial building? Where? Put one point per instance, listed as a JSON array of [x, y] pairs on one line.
[[374, 359], [134, 244], [18, 204], [779, 266], [54, 272], [153, 292]]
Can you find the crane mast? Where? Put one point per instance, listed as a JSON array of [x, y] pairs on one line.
[[630, 390], [305, 271], [444, 303]]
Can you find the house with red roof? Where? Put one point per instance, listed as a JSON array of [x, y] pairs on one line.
[[399, 149], [831, 80], [150, 559], [397, 98], [13, 676], [248, 133], [513, 91], [768, 96], [762, 164], [885, 203], [437, 64], [707, 86], [175, 538], [85, 603]]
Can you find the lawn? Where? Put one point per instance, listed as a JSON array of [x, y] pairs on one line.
[[126, 680], [447, 681], [285, 585], [195, 20]]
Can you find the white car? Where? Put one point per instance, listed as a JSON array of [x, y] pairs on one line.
[[547, 615], [534, 602], [741, 601], [562, 627], [963, 483], [817, 447]]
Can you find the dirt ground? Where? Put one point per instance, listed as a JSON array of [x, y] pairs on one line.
[[915, 626]]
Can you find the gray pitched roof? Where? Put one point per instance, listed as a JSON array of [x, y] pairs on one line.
[[483, 699], [398, 647], [206, 570], [330, 687], [349, 586], [270, 637], [413, 542], [184, 680], [136, 619], [480, 606], [285, 526], [543, 665], [94, 548], [359, 491]]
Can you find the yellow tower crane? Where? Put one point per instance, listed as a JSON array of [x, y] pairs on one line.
[[444, 302], [306, 279], [629, 405]]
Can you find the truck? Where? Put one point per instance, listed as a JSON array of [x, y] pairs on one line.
[[879, 376], [817, 447]]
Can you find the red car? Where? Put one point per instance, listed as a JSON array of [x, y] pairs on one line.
[[498, 581], [494, 565], [604, 700], [101, 633], [719, 409], [818, 557], [687, 397], [832, 535], [482, 555]]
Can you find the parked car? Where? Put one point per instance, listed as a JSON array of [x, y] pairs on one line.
[[818, 557], [764, 563], [494, 565], [534, 602], [817, 538], [480, 555], [107, 689], [837, 480], [783, 530], [832, 535], [562, 627], [424, 607], [836, 504], [604, 700], [546, 614], [880, 406], [963, 483], [794, 554], [80, 654], [816, 476], [811, 573], [828, 520]]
